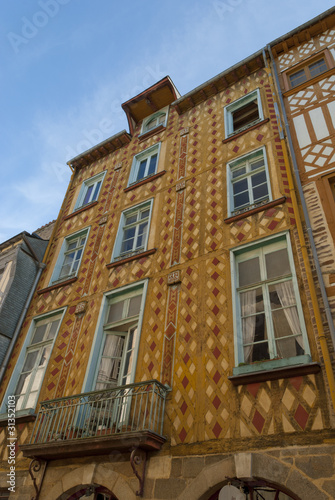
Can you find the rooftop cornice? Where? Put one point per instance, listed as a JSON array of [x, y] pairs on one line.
[[303, 33], [219, 82], [102, 149]]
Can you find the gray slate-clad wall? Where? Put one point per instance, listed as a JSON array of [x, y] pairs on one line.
[[22, 277]]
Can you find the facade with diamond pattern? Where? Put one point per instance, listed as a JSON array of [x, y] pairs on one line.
[[179, 280]]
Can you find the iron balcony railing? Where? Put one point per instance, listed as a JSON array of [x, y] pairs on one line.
[[129, 408]]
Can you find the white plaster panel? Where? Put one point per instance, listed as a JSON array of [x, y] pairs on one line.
[[319, 123], [302, 131], [331, 107]]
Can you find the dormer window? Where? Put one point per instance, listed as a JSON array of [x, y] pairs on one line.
[[155, 121]]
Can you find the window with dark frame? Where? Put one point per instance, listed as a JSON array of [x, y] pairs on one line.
[[307, 72]]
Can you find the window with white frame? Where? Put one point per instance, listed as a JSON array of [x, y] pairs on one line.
[[132, 237], [70, 256], [118, 351], [29, 378], [154, 121], [248, 181], [144, 164], [268, 317], [90, 190], [243, 113]]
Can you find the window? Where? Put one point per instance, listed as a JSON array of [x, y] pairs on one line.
[[90, 190], [268, 316], [144, 164], [248, 182], [132, 234], [118, 353], [29, 379], [154, 121], [70, 256], [243, 113], [307, 72]]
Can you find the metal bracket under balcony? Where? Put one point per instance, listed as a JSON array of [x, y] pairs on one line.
[[95, 423]]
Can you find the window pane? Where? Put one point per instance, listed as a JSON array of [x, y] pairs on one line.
[[53, 329], [39, 334], [277, 264], [134, 305], [258, 179], [145, 213], [88, 195], [249, 272], [317, 67], [240, 186], [245, 115], [282, 295], [238, 171], [30, 361], [115, 312], [297, 78], [152, 166], [130, 219], [287, 348], [255, 338], [45, 356], [141, 169], [257, 164], [260, 192], [241, 200], [23, 383], [96, 191]]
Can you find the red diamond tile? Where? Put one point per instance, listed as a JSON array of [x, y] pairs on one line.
[[183, 408], [253, 389], [187, 337], [217, 430], [216, 330], [185, 382], [215, 310], [182, 435], [273, 225], [240, 236], [301, 416], [216, 402], [236, 148], [215, 276], [186, 358], [215, 292], [258, 421], [150, 367], [216, 377], [296, 382], [58, 359], [153, 345], [51, 386], [216, 352], [259, 137]]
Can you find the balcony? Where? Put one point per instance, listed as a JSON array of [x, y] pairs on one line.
[[96, 423]]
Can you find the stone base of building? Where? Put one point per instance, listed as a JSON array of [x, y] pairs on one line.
[[302, 472]]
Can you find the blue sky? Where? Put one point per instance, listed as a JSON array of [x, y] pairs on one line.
[[67, 65]]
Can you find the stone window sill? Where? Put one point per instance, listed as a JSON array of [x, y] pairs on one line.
[[255, 210], [274, 370], [82, 209], [145, 181], [132, 257], [21, 417], [239, 134], [56, 285]]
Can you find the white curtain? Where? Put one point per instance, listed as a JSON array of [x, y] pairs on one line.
[[248, 307], [287, 298]]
